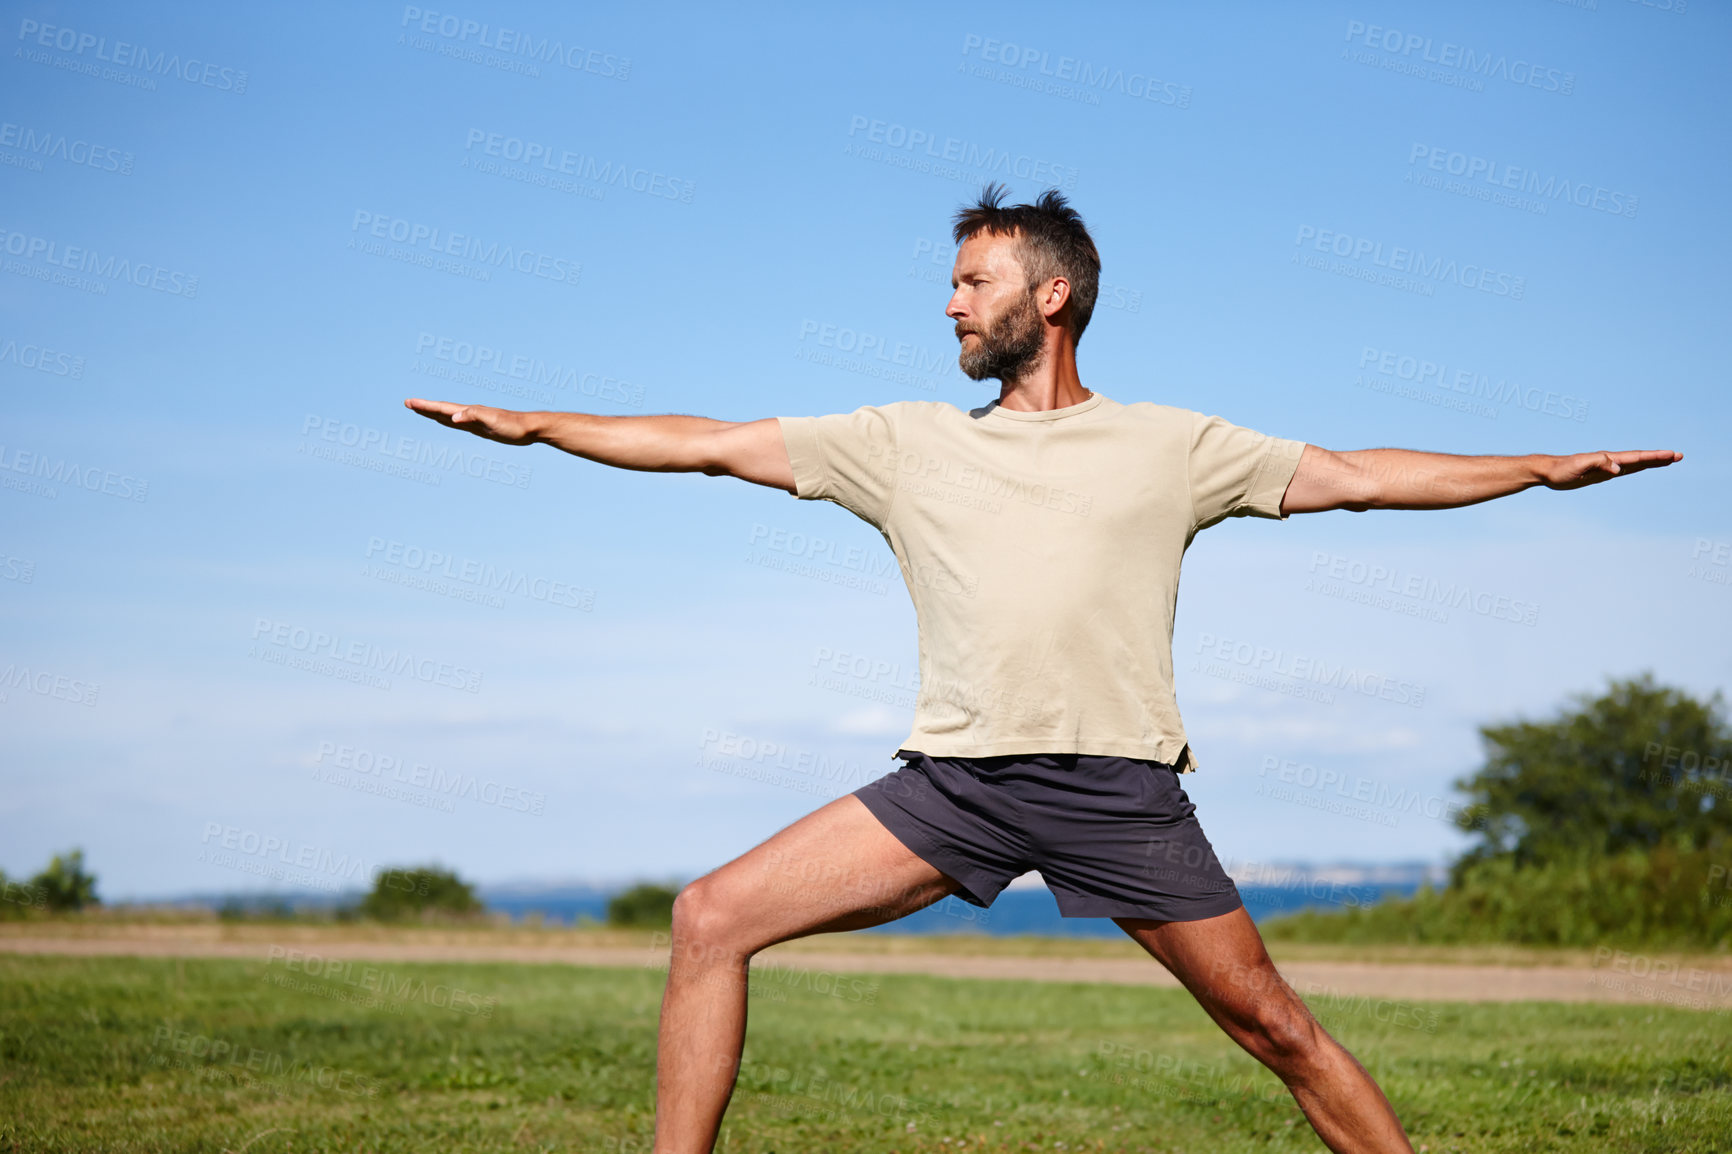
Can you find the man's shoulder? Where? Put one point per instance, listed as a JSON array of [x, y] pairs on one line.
[[910, 413], [1156, 413]]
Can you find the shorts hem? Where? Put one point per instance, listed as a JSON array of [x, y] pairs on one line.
[[1181, 910]]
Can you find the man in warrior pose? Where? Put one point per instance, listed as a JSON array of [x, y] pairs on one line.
[[1040, 537]]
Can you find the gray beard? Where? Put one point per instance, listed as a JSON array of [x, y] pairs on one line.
[[1010, 346]]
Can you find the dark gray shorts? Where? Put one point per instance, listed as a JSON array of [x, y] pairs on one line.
[[1114, 837]]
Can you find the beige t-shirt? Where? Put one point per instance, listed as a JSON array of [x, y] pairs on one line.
[[1042, 552]]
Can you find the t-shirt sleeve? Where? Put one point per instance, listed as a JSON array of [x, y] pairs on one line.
[[1237, 472], [847, 458]]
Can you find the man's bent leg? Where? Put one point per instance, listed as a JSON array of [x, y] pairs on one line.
[[835, 869], [1221, 960]]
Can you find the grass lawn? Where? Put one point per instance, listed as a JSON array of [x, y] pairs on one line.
[[118, 1054]]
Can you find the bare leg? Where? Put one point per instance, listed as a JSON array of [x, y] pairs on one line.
[[835, 869], [1221, 960]]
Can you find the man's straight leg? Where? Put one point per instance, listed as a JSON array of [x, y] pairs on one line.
[[1222, 962], [837, 868]]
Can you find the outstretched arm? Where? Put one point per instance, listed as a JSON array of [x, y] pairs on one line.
[[1406, 479], [750, 450]]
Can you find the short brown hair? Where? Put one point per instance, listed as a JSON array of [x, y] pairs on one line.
[[1051, 241]]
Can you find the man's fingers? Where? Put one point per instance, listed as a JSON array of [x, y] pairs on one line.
[[480, 420], [452, 415], [1647, 458], [1604, 465], [1635, 460], [429, 408], [1638, 466]]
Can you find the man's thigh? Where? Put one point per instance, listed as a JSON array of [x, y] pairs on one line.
[[838, 868]]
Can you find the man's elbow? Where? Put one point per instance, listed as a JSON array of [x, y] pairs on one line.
[[1360, 486], [711, 452]]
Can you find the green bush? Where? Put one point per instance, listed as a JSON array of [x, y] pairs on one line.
[[424, 893], [1659, 900], [64, 886], [644, 906]]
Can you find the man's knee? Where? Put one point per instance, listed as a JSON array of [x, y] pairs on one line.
[[706, 923], [1285, 1035]]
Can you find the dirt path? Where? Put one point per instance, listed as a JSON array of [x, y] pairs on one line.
[[1620, 977]]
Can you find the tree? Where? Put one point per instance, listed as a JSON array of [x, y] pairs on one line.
[[64, 885], [1640, 768], [419, 892], [644, 906]]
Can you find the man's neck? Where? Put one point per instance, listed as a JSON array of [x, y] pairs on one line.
[[1051, 383]]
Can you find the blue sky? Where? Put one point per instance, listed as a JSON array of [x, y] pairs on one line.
[[234, 241]]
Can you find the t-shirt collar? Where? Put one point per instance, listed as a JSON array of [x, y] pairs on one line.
[[993, 409]]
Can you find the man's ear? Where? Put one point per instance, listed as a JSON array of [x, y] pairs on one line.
[[1056, 295]]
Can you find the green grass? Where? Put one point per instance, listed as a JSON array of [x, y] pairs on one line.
[[101, 1054]]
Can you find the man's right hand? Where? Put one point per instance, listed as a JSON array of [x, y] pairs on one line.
[[506, 426]]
